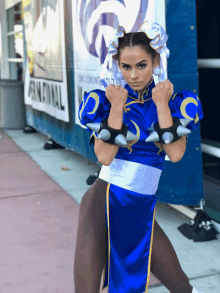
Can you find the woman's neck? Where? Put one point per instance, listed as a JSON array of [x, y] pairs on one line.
[[140, 92]]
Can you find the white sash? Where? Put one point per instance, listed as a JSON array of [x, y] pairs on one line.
[[133, 176]]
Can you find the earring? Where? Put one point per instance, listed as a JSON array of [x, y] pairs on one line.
[[119, 75], [156, 71]]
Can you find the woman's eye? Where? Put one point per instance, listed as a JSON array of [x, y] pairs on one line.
[[142, 66], [126, 67]]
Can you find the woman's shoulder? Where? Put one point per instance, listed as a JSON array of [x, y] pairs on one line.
[[186, 104], [183, 98], [98, 92], [97, 95], [94, 106]]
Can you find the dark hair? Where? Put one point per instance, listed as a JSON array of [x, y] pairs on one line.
[[139, 39]]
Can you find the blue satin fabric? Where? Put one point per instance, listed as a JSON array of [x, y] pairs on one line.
[[129, 222], [139, 117], [130, 215]]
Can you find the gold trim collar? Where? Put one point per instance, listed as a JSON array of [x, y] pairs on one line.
[[145, 93]]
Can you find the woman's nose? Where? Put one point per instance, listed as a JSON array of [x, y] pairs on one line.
[[133, 75]]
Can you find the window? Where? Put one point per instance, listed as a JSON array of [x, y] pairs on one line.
[[15, 41]]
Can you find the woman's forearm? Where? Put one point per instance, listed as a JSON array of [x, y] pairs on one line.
[[106, 152]]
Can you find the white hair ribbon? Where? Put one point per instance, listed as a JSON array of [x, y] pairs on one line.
[[159, 38], [155, 32], [116, 75]]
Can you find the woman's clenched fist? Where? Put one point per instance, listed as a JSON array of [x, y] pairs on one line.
[[162, 93], [116, 95]]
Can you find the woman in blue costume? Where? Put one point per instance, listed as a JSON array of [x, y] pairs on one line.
[[133, 125]]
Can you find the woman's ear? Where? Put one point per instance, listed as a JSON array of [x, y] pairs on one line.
[[156, 62], [119, 65]]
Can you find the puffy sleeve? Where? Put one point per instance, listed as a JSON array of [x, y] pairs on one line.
[[93, 108], [186, 104]]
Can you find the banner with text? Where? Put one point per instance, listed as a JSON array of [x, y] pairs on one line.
[[45, 79]]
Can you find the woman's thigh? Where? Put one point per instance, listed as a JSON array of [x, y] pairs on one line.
[[92, 220], [165, 264]]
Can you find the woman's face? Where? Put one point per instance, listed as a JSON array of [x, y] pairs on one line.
[[136, 67]]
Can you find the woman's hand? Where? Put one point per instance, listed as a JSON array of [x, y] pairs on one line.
[[162, 93], [116, 95]]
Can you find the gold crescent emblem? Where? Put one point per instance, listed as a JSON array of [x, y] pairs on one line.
[[132, 142], [184, 104], [158, 144], [96, 98]]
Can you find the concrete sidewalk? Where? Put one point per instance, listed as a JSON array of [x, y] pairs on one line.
[[39, 218]]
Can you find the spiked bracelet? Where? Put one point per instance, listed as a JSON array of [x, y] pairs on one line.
[[108, 134], [170, 134], [111, 135]]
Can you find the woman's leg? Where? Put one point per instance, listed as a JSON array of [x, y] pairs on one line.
[[165, 264], [92, 237], [91, 248]]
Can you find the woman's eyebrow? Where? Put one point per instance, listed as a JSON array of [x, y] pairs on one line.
[[136, 64]]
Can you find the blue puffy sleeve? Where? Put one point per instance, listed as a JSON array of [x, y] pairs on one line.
[[93, 108], [186, 104]]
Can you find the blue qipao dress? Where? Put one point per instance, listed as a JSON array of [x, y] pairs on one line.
[[132, 180]]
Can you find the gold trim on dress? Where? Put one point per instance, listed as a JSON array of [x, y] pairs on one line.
[[145, 91], [137, 102], [197, 118], [133, 102], [126, 110], [109, 247], [159, 146], [107, 203], [174, 96], [149, 259]]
